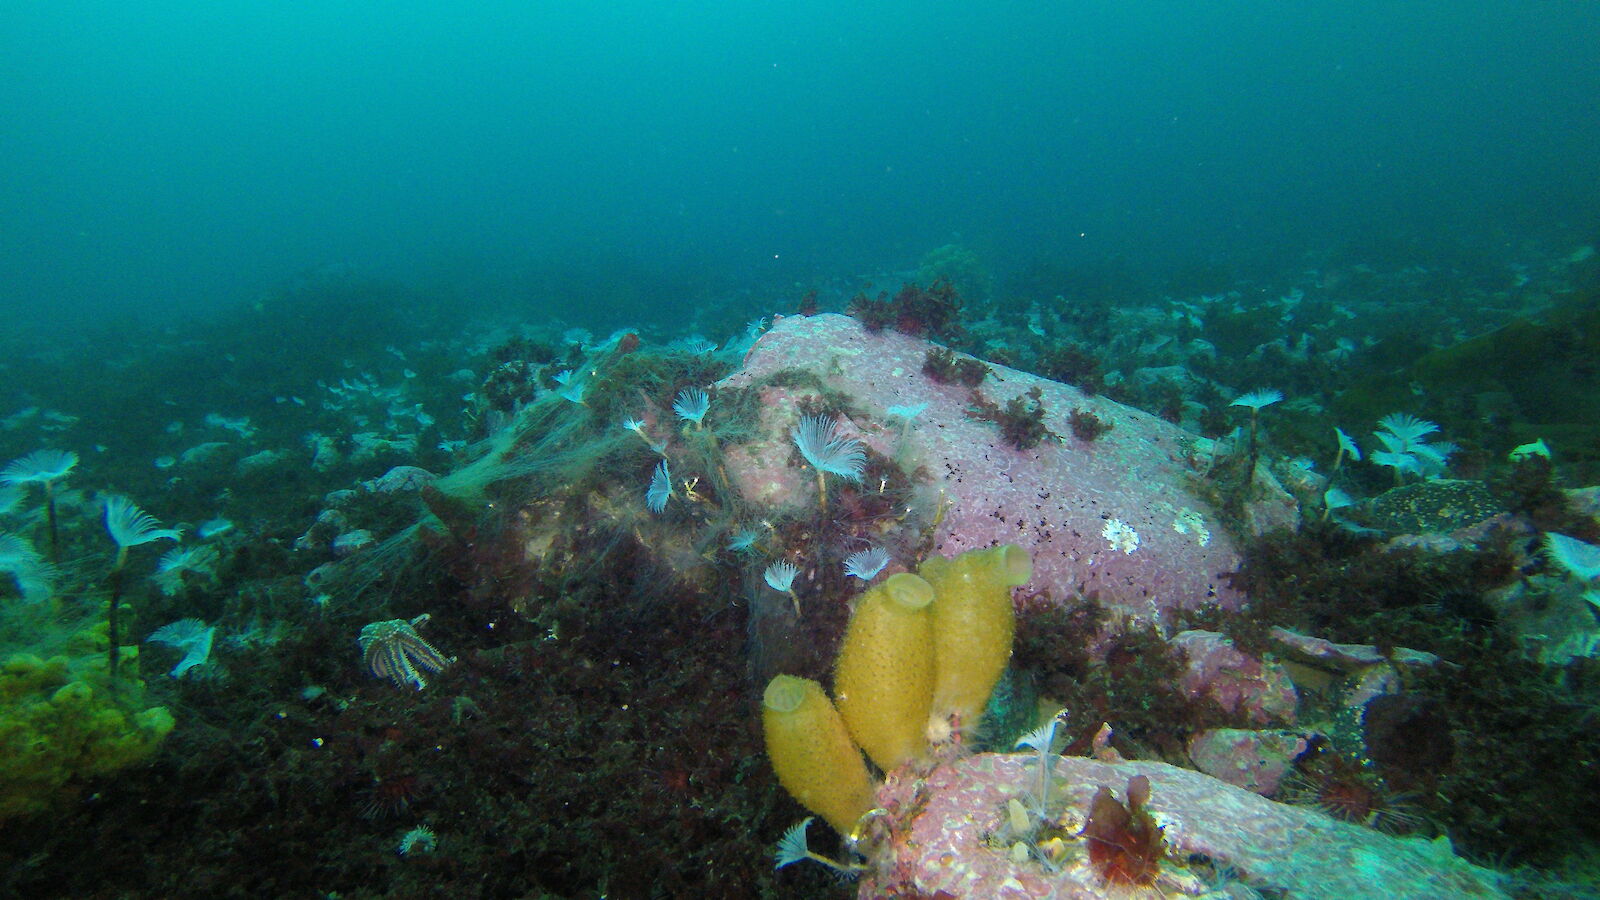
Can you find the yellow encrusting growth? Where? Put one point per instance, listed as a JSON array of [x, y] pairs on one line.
[[883, 679], [60, 727], [812, 753], [973, 624]]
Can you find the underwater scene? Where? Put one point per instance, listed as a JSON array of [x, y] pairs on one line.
[[812, 450]]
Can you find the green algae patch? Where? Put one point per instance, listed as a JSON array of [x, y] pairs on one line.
[[1540, 370]]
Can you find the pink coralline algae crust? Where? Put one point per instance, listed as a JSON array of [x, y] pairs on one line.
[[941, 839], [1254, 760], [1114, 517], [1238, 683]]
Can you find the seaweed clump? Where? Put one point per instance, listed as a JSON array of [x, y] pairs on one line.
[[1072, 363], [1021, 420], [1136, 688], [932, 312], [1409, 738], [1086, 426], [1124, 840], [1531, 488], [944, 367]]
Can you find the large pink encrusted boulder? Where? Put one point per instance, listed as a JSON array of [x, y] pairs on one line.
[[1116, 517], [944, 834]]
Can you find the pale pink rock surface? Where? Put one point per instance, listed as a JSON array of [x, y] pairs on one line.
[[1075, 506], [1254, 760], [942, 835]]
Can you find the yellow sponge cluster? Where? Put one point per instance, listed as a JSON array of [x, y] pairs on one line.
[[58, 727], [920, 657]]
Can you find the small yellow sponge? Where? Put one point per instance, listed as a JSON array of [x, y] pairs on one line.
[[883, 678], [973, 624], [812, 754]]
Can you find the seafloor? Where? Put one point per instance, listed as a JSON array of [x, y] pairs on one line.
[[430, 630]]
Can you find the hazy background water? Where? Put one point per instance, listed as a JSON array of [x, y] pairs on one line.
[[159, 158]]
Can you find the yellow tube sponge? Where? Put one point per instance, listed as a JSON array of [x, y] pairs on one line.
[[883, 679], [973, 624], [812, 754]]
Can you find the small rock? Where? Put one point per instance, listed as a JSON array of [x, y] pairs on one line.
[[1254, 760], [1237, 682], [400, 479], [352, 542]]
